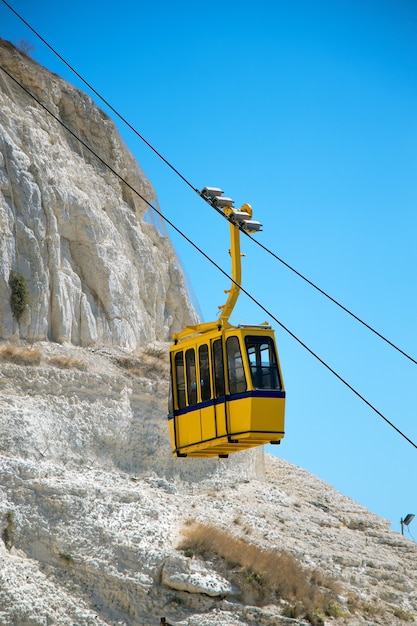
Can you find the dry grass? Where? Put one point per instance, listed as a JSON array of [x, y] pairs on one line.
[[20, 355], [151, 363], [263, 576], [67, 362]]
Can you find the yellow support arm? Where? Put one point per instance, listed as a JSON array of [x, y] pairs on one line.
[[227, 308], [240, 219]]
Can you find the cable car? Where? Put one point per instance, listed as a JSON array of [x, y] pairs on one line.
[[227, 392]]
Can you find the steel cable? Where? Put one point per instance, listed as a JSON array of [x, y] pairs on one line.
[[187, 182], [208, 258]]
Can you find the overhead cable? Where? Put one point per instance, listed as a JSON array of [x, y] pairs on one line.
[[341, 306], [187, 182], [208, 258], [123, 119]]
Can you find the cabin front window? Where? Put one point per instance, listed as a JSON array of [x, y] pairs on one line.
[[263, 363]]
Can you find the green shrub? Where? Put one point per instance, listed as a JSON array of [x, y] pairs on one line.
[[67, 558], [8, 533], [315, 618], [406, 616], [189, 554], [293, 610], [19, 298], [334, 610]]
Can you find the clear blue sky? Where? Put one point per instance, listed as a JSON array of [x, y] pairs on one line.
[[308, 111]]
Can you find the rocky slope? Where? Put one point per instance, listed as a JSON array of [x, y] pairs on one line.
[[93, 508]]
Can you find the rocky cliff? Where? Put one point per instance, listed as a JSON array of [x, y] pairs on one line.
[[96, 270], [99, 525], [93, 512]]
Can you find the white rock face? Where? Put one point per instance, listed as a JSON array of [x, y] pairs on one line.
[[185, 574], [96, 270], [92, 504], [93, 509]]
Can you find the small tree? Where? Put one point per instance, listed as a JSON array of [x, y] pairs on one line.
[[19, 298], [25, 46]]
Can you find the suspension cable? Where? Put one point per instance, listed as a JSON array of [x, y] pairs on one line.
[[208, 258], [341, 306], [123, 119], [187, 182]]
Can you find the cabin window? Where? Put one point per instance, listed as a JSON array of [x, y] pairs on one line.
[[263, 363], [180, 379], [191, 378], [219, 388], [203, 358], [237, 380]]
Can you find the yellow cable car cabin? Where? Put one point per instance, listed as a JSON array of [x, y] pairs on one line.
[[227, 393]]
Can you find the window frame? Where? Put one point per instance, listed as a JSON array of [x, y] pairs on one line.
[[260, 370], [190, 376], [236, 374], [204, 368], [180, 383]]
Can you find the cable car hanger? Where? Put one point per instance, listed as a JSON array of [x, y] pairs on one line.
[[240, 219], [227, 392]]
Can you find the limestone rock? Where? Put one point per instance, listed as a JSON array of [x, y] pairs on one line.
[[98, 271], [185, 574], [94, 506], [92, 503]]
